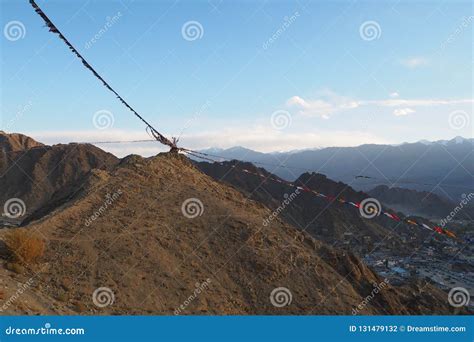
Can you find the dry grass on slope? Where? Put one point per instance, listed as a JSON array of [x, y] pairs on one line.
[[25, 246]]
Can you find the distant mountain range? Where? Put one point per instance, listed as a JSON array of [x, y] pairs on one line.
[[445, 167]]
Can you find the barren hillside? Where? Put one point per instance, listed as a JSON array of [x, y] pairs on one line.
[[16, 142], [333, 223], [42, 176], [412, 202], [127, 230]]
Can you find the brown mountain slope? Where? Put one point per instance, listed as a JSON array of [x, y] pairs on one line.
[[336, 224], [16, 142], [46, 176], [126, 230], [423, 203]]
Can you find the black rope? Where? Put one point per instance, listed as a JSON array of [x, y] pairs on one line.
[[52, 28], [199, 156]]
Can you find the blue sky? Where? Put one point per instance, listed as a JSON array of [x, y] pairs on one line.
[[266, 75]]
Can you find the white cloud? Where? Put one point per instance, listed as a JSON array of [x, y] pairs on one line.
[[264, 139], [416, 102], [403, 111], [312, 108], [268, 140], [325, 106], [414, 62], [111, 134], [259, 135], [394, 95]]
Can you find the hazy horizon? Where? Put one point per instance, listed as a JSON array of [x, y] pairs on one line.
[[150, 148]]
